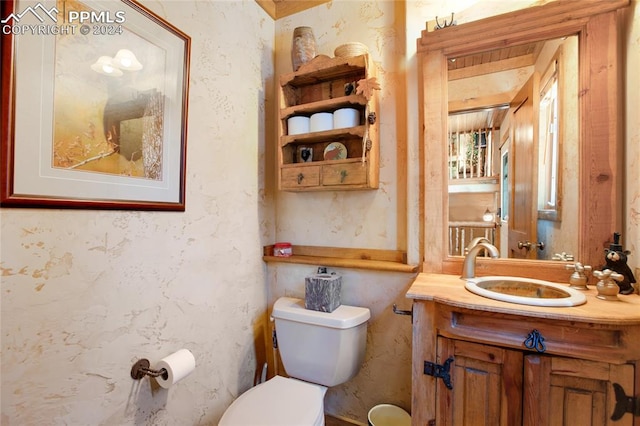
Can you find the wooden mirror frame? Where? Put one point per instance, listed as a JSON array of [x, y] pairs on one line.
[[598, 27]]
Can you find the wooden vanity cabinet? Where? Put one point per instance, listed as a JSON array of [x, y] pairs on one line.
[[325, 85], [496, 380]]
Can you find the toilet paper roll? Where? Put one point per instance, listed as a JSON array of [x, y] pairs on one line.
[[298, 125], [321, 121], [178, 365], [346, 117]]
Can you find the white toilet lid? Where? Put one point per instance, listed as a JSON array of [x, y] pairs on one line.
[[279, 401]]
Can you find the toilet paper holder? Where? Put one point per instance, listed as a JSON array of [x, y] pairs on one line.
[[141, 369]]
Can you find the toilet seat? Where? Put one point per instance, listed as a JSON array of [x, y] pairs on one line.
[[279, 401]]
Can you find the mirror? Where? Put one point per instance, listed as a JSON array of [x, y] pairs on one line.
[[598, 134], [491, 95]]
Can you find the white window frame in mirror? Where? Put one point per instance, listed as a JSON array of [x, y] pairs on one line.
[[551, 126]]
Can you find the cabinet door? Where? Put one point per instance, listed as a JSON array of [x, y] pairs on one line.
[[486, 382], [568, 392]]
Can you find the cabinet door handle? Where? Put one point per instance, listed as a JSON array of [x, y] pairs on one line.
[[535, 341], [343, 175], [300, 177]]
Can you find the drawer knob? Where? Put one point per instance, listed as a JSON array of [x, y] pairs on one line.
[[300, 178], [343, 175]]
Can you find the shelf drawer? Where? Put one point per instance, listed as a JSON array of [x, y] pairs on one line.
[[345, 174], [299, 177]]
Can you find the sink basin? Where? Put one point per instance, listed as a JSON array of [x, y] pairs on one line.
[[525, 291]]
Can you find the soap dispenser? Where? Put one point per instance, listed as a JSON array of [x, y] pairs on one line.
[[616, 261]]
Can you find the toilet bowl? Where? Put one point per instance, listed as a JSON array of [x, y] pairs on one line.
[[318, 350], [279, 401]]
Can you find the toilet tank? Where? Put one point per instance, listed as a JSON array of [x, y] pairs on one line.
[[326, 348]]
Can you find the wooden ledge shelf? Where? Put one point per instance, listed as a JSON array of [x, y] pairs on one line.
[[373, 259], [357, 131], [323, 106]]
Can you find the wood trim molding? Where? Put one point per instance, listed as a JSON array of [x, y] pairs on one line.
[[514, 28], [374, 259], [281, 8]]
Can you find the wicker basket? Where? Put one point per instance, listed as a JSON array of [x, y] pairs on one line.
[[350, 49]]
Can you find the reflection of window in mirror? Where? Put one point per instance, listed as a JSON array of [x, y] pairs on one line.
[[549, 145]]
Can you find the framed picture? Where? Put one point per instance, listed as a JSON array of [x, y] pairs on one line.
[[94, 106]]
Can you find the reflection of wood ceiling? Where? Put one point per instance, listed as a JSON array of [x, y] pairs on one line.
[[486, 118], [486, 63], [525, 53]]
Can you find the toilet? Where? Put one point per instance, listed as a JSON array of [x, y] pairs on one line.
[[318, 350]]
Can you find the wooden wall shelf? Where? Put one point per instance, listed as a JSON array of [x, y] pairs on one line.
[[373, 259], [325, 85]]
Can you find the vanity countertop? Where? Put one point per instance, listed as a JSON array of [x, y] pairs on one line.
[[449, 290]]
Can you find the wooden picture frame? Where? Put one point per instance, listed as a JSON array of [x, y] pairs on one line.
[[94, 106]]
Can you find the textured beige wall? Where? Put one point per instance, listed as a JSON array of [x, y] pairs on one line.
[[352, 218], [87, 293]]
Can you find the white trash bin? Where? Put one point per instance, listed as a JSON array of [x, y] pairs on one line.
[[388, 415]]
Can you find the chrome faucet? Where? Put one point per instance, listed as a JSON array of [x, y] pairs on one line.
[[469, 265]]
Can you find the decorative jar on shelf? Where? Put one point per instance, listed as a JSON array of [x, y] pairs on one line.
[[303, 46]]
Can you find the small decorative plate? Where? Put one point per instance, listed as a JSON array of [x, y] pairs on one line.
[[335, 151]]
